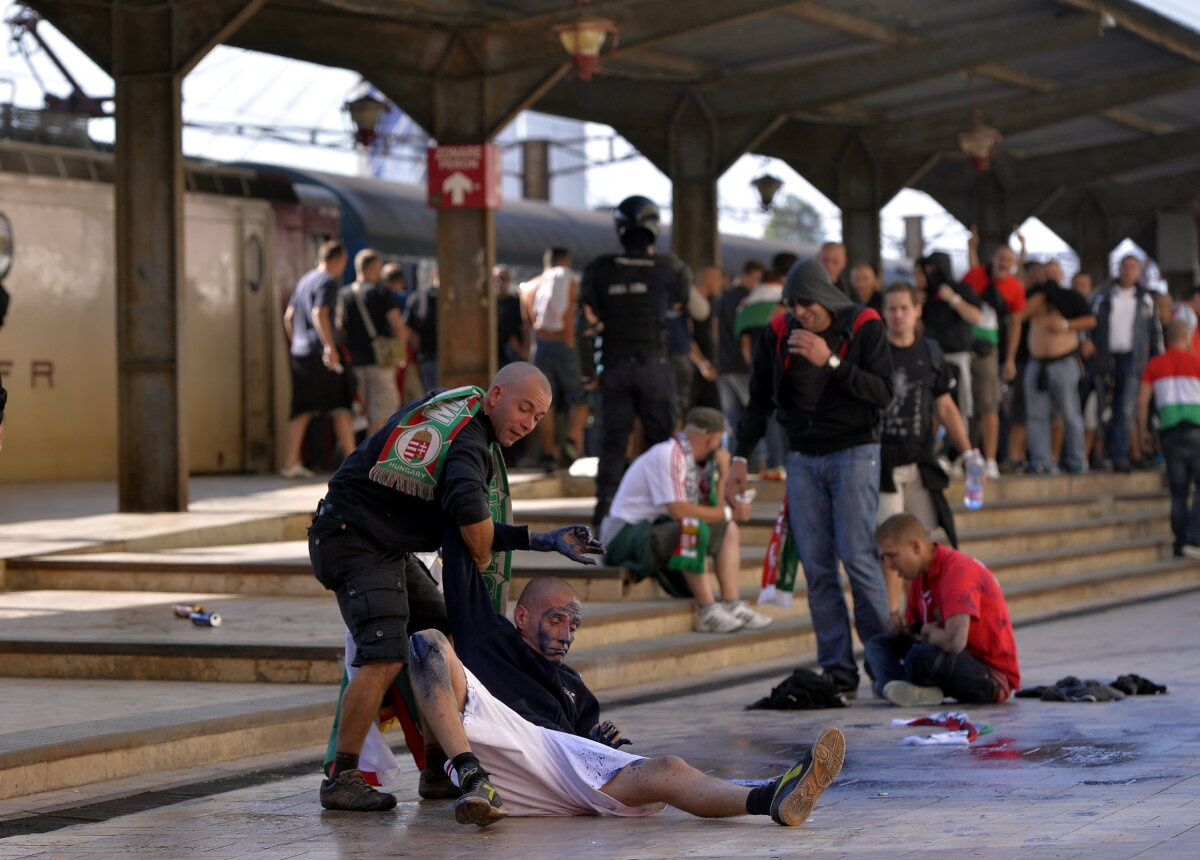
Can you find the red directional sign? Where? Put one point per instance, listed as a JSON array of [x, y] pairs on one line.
[[464, 176]]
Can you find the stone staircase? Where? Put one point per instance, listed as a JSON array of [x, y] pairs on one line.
[[1056, 544]]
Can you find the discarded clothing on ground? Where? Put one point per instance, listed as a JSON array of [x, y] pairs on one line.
[[803, 690], [1072, 689], [962, 730], [1136, 685]]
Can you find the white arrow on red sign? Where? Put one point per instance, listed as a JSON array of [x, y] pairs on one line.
[[457, 184]]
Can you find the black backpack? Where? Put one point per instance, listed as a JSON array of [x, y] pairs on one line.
[[803, 690]]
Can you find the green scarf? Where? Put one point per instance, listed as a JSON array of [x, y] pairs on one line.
[[691, 553], [412, 461]]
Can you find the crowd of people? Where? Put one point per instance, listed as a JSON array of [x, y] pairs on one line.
[[872, 393]]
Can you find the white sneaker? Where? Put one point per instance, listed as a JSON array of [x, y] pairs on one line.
[[715, 618], [296, 472], [751, 619], [993, 470]]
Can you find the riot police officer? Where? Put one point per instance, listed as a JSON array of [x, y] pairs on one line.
[[625, 297]]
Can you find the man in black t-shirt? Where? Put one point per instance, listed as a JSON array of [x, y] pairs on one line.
[[376, 382], [1056, 316], [911, 480], [364, 534], [320, 384]]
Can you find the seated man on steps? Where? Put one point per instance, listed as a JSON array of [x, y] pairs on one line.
[[955, 637], [665, 519]]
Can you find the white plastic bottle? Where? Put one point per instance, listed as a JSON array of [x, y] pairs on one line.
[[974, 467]]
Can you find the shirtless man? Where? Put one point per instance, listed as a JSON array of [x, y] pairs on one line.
[[548, 303], [1056, 316]]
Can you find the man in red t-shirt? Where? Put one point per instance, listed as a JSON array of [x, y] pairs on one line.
[[955, 637], [1002, 292]]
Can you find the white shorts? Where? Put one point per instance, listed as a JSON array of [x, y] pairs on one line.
[[540, 771]]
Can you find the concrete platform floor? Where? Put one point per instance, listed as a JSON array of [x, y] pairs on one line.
[[1106, 780]]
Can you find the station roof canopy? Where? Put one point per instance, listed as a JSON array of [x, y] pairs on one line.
[[1098, 101]]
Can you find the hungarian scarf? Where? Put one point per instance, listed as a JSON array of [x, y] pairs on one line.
[[691, 552], [415, 454], [780, 563]]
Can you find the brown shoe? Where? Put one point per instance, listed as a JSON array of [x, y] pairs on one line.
[[349, 791]]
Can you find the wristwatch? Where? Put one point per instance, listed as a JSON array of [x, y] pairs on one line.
[[833, 362]]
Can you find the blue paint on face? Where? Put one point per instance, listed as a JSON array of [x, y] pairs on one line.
[[556, 629]]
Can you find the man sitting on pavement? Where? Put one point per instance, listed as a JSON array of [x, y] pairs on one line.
[[666, 518], [955, 637], [548, 769]]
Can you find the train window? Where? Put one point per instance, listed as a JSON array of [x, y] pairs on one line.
[[6, 246], [252, 263]]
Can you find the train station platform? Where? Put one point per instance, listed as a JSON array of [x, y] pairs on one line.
[[1062, 780]]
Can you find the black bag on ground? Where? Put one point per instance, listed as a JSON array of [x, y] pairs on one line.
[[803, 690]]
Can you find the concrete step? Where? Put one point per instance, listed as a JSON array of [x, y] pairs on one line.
[[67, 733], [993, 542], [671, 657], [282, 568], [1051, 564], [1006, 488], [547, 514]]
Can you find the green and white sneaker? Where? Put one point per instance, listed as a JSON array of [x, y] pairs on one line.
[[797, 791]]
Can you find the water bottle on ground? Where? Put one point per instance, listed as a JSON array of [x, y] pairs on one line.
[[974, 466]]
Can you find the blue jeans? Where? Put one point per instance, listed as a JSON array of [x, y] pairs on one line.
[[429, 373], [902, 658], [1125, 389], [1062, 391], [1181, 450], [832, 502]]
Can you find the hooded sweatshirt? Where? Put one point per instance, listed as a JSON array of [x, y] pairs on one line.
[[824, 410], [942, 322]]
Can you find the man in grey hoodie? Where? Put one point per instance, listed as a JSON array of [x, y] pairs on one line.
[[826, 368]]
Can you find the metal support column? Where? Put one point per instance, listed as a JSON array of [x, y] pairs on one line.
[[693, 167], [1094, 239], [466, 243], [151, 444], [991, 212], [860, 197]]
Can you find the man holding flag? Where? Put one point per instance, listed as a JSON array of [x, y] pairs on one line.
[[435, 463]]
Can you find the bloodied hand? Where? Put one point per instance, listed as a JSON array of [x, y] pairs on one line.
[[608, 734], [575, 542]]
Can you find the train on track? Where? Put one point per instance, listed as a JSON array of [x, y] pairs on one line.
[[250, 231]]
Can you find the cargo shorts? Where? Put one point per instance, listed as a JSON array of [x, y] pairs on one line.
[[383, 594]]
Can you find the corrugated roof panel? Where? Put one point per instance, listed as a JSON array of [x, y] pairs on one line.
[[938, 94], [1073, 134], [1095, 59], [769, 37]]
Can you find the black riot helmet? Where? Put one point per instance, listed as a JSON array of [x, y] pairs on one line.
[[636, 220]]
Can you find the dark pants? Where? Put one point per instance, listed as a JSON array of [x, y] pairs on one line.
[[631, 389], [1181, 449], [902, 658], [1124, 399]]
